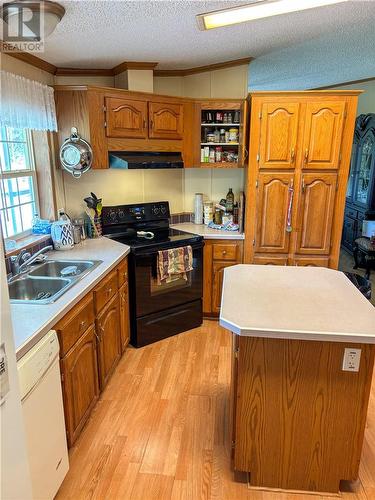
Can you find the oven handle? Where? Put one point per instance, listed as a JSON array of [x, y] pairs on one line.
[[194, 246]]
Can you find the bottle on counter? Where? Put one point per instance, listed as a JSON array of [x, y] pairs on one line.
[[198, 208], [230, 201], [227, 217], [217, 216], [235, 213]]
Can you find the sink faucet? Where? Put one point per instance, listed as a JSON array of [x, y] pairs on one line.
[[19, 263]]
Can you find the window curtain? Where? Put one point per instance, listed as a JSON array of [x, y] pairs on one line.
[[26, 103]]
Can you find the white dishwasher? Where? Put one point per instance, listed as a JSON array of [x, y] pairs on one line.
[[42, 406]]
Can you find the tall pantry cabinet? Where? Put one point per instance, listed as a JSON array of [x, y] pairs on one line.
[[300, 146]]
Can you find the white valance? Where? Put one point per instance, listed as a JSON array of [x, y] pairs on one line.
[[26, 103]]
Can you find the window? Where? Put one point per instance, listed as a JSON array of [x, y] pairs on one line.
[[18, 189]]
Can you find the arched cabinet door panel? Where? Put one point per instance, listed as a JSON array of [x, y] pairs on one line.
[[273, 202], [126, 118], [315, 212], [324, 123], [278, 135], [165, 120]]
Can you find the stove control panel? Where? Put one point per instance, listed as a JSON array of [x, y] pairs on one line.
[[124, 214]]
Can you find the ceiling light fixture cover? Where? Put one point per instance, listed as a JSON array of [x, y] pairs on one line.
[[52, 13], [258, 9]]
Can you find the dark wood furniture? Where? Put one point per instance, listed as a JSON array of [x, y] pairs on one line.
[[364, 255], [360, 195]]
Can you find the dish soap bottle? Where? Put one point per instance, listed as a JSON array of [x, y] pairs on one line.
[[230, 201]]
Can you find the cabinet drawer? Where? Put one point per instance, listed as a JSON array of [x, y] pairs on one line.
[[72, 326], [350, 212], [122, 273], [106, 289], [225, 251]]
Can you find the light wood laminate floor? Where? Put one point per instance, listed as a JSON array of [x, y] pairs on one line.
[[160, 429]]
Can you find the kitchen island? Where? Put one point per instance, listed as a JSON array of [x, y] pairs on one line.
[[303, 356]]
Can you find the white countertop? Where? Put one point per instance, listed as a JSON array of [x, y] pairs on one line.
[[305, 303], [32, 321], [208, 232]]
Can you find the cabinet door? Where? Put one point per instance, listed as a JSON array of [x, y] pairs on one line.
[[324, 123], [126, 118], [108, 329], [278, 135], [124, 316], [165, 120], [243, 152], [311, 261], [79, 370], [217, 283], [315, 213], [273, 202]]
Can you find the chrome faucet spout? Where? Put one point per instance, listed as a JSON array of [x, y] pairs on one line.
[[31, 259]]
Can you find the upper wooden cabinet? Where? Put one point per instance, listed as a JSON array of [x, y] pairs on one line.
[[126, 118], [300, 149], [165, 120], [324, 123], [278, 135]]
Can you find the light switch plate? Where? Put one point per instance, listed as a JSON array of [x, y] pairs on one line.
[[351, 361]]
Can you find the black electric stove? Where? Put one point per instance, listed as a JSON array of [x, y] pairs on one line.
[[157, 310]]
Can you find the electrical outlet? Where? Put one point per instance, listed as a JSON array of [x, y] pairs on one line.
[[351, 360]]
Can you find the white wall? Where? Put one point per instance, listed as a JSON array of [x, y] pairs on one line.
[[366, 101]]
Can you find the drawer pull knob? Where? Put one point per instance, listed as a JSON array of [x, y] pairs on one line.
[[125, 275], [224, 252], [109, 291], [82, 324]]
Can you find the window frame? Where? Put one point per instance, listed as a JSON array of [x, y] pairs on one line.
[[14, 174]]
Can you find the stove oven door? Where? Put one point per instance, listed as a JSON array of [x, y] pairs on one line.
[[151, 297]]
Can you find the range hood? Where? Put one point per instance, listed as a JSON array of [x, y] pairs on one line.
[[145, 159]]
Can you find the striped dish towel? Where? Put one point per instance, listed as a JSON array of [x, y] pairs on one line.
[[174, 264]]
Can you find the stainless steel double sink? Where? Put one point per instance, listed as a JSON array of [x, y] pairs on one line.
[[46, 282]]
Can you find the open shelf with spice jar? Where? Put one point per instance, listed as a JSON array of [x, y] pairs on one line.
[[223, 133]]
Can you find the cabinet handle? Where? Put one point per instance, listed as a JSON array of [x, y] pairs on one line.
[[289, 228], [125, 275], [224, 252], [303, 185], [109, 291], [82, 325], [292, 155], [306, 155], [97, 336]]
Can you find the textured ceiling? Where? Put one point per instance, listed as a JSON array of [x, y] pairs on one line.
[[102, 34]]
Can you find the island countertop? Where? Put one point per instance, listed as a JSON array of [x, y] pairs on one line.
[[303, 303], [208, 232], [32, 321]]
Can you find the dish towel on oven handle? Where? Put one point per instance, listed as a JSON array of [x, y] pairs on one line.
[[174, 264]]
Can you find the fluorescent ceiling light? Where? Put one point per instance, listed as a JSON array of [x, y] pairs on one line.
[[258, 9]]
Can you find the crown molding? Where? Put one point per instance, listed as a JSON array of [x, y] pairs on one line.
[[133, 65], [54, 70], [83, 71], [202, 69]]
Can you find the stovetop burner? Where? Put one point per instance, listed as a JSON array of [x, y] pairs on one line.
[[144, 226]]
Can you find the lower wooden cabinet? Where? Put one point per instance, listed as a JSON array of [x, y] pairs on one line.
[[108, 331], [80, 384], [271, 260], [124, 316], [218, 254], [92, 336], [311, 261]]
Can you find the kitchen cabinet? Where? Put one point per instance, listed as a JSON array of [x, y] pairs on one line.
[[315, 213], [300, 148], [165, 120], [126, 118], [279, 133], [80, 384], [217, 255], [360, 194], [109, 346], [92, 336]]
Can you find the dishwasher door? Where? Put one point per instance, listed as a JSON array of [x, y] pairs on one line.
[[42, 406]]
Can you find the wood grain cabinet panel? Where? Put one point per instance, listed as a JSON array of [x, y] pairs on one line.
[[108, 331], [315, 213], [217, 283], [273, 198], [126, 118], [106, 289], [271, 260], [324, 123], [124, 316], [311, 261], [80, 385], [278, 135], [122, 273], [165, 120]]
